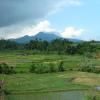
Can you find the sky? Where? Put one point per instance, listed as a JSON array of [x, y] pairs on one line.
[[69, 18]]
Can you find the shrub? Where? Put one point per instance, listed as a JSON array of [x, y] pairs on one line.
[[89, 67], [61, 67], [52, 68], [32, 68], [6, 69], [46, 68], [40, 69]]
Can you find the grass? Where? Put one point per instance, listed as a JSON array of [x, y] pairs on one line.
[[49, 82], [22, 62], [92, 95], [24, 81]]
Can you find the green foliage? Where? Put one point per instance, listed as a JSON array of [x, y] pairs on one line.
[[96, 97], [61, 67], [6, 69], [46, 68], [62, 46], [71, 49], [52, 68], [88, 67], [41, 68], [58, 46], [32, 68], [8, 45]]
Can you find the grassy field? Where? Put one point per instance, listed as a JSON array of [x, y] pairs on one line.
[[24, 81], [22, 61], [50, 82]]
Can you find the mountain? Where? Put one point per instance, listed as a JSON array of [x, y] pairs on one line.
[[49, 36], [24, 39]]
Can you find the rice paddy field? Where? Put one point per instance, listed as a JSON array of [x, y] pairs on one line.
[[25, 82]]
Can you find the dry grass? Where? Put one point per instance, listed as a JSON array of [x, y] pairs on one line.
[[87, 80]]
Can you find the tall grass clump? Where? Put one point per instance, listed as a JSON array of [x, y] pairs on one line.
[[6, 69], [61, 67], [88, 66], [46, 68]]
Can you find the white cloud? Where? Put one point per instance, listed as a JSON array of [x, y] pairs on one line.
[[71, 32], [43, 26], [22, 18], [68, 3], [75, 2]]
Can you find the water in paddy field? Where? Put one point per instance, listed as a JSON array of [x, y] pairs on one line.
[[71, 95]]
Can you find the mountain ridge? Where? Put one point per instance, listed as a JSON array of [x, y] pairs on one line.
[[48, 36]]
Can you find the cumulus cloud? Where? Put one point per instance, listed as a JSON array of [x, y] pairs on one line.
[[20, 16], [71, 32], [43, 26]]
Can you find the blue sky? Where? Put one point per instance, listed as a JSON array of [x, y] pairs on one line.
[[71, 18], [86, 16]]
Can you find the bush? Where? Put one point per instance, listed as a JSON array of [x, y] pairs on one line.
[[52, 68], [61, 67], [46, 68], [32, 68], [39, 68], [6, 69], [94, 97], [89, 67]]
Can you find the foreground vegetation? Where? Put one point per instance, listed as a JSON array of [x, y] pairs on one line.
[[16, 62], [50, 82], [26, 79], [62, 81], [30, 68]]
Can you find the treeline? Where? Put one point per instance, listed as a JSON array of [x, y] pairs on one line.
[[8, 45], [60, 46]]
